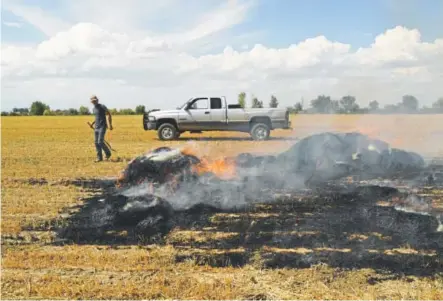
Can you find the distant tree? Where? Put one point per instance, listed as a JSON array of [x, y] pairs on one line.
[[242, 99], [21, 111], [4, 113], [391, 108], [256, 103], [72, 111], [438, 104], [47, 112], [322, 104], [139, 110], [274, 102], [374, 105], [38, 108], [428, 110], [410, 103], [113, 111], [348, 104], [58, 112], [84, 110], [126, 112], [334, 106], [364, 111], [298, 107]]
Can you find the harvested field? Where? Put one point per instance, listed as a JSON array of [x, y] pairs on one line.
[[292, 248]]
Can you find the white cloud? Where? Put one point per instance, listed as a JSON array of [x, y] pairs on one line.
[[112, 15], [12, 24], [84, 39], [36, 16], [221, 18], [128, 66], [402, 47]]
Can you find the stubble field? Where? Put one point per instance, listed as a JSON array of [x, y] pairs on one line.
[[43, 159]]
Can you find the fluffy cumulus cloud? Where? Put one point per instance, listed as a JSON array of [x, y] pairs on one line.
[[163, 70]]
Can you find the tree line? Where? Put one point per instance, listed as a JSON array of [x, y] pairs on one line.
[[323, 104], [39, 108]]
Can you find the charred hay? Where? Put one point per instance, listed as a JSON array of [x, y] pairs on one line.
[[146, 215], [161, 190]]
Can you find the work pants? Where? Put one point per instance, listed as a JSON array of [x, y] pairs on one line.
[[100, 144]]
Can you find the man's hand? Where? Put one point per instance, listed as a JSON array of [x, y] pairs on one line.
[[110, 127]]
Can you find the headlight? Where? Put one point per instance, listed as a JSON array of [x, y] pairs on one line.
[[151, 118]]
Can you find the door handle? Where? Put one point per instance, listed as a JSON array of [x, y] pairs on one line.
[[207, 112]]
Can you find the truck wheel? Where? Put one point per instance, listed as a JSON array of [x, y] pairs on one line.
[[167, 131], [260, 131]]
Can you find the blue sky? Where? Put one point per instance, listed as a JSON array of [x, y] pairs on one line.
[[351, 21], [283, 22], [61, 51]]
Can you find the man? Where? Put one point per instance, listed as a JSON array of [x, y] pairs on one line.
[[100, 111]]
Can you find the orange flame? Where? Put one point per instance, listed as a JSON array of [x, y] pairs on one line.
[[223, 168]]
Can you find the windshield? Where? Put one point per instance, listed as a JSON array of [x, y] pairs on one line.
[[183, 105]]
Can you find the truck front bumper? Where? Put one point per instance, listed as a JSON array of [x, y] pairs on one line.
[[148, 124]]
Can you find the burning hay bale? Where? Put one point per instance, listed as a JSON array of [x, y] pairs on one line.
[[186, 180], [157, 186], [321, 157], [158, 167]]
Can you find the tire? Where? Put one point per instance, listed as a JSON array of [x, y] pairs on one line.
[[167, 132], [260, 131]]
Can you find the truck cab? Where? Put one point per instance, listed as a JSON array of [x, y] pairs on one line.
[[203, 112]]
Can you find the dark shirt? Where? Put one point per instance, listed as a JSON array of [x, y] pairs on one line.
[[100, 116]]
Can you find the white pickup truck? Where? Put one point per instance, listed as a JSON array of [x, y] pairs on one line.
[[202, 114]]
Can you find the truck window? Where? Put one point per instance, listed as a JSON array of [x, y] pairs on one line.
[[216, 103], [200, 104]]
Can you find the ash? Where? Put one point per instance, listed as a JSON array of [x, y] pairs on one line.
[[332, 184]]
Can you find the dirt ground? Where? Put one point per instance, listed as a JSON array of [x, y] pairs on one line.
[[287, 250]]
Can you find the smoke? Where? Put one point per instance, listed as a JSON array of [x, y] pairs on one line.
[[206, 190], [169, 174], [315, 160], [413, 132]]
